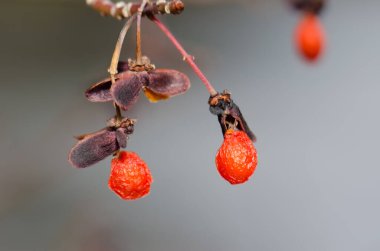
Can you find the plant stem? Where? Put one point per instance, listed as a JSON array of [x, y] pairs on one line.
[[119, 117], [115, 59], [119, 44], [138, 33], [188, 58], [123, 10]]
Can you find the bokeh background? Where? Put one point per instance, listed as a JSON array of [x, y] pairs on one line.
[[317, 184]]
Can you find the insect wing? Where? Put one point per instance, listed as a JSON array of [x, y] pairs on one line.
[[93, 148]]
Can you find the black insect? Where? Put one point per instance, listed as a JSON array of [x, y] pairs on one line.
[[94, 147], [229, 115]]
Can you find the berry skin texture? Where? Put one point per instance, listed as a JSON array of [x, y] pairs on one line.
[[130, 176], [309, 37], [236, 159]]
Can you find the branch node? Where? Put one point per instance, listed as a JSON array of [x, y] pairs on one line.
[[126, 11]]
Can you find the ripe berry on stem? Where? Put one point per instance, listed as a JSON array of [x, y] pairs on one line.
[[236, 159], [130, 176], [309, 37]]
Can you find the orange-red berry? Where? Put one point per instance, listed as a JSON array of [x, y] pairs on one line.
[[236, 159], [130, 176], [309, 37]]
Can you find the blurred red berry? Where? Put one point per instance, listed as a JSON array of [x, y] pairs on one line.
[[130, 177], [236, 159], [309, 37]]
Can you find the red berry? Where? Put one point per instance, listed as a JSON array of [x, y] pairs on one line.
[[236, 159], [310, 37], [130, 177]]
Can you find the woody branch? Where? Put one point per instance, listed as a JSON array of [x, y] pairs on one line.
[[122, 10]]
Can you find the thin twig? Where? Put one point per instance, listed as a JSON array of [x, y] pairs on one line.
[[123, 10], [119, 117], [138, 33], [115, 59], [116, 54], [188, 58]]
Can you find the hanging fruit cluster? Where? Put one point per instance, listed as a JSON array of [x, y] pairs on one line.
[[130, 176], [309, 34]]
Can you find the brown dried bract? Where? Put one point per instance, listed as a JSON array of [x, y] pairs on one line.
[[94, 147], [229, 115], [158, 84]]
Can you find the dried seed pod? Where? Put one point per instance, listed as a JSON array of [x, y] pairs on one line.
[[158, 84], [121, 137], [94, 147], [123, 66], [166, 83], [100, 92], [126, 90], [229, 115]]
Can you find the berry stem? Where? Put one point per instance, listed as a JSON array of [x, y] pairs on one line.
[[118, 114], [138, 33], [186, 57], [115, 59], [116, 54]]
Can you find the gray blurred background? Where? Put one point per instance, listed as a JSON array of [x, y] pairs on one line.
[[317, 183]]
